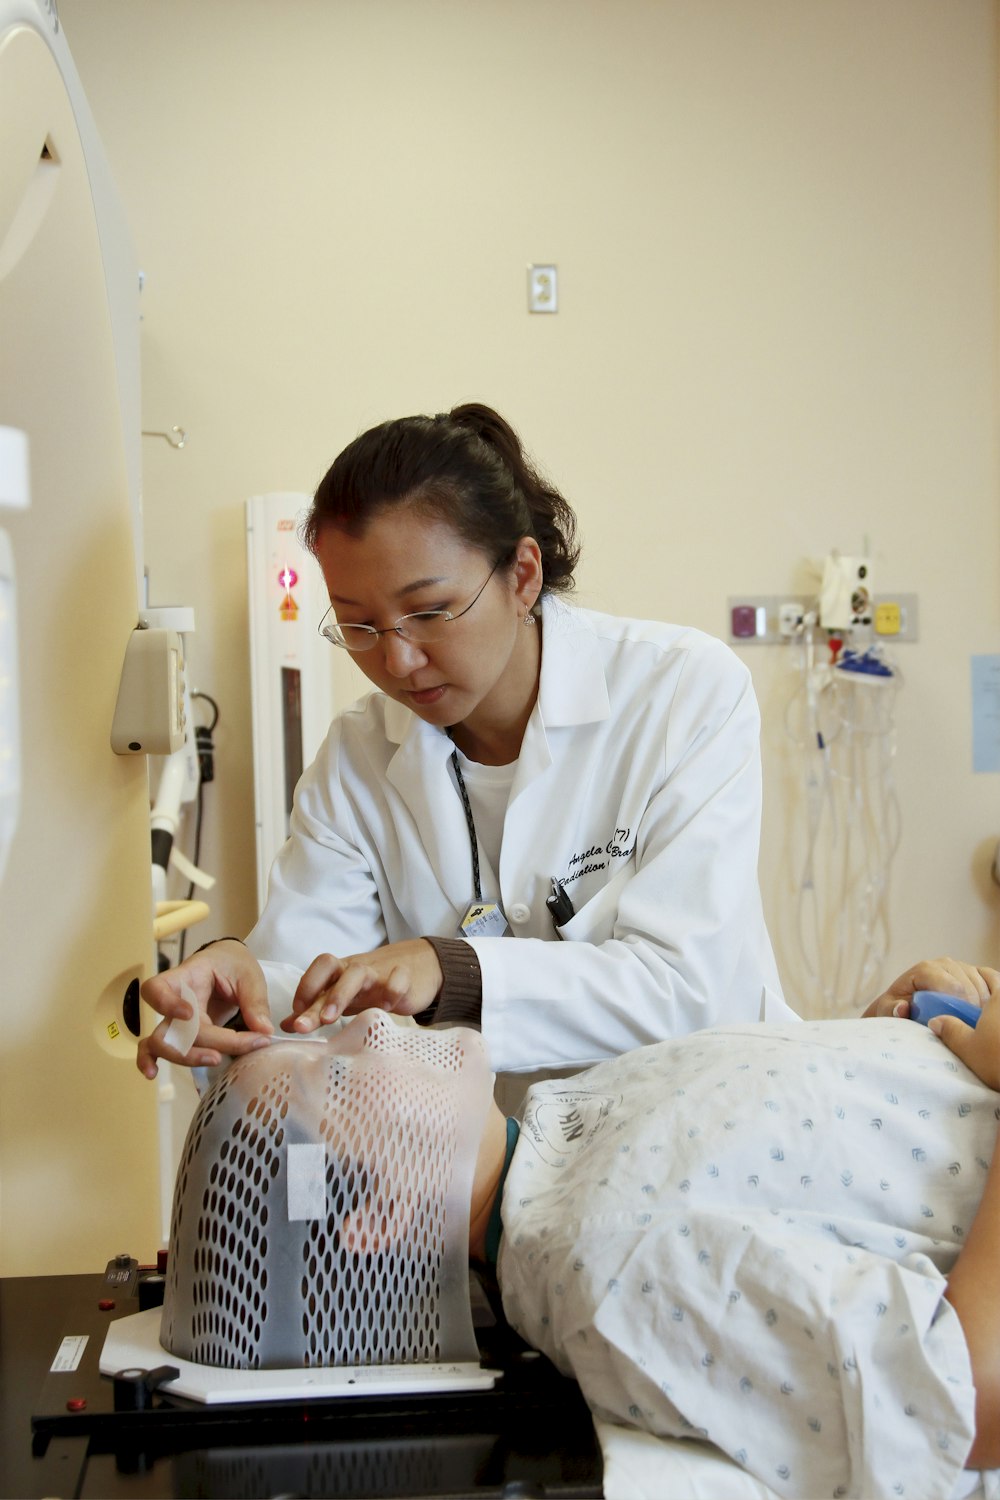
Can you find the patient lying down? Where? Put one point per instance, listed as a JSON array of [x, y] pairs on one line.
[[781, 1239]]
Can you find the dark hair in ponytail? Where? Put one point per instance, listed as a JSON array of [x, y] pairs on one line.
[[465, 467]]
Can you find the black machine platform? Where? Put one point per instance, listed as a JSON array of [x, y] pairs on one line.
[[531, 1435]]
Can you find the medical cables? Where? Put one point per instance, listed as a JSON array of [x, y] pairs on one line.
[[840, 717]]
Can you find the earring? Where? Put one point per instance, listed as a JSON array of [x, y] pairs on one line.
[[529, 618]]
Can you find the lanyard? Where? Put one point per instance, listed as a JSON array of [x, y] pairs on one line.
[[471, 824], [483, 918]]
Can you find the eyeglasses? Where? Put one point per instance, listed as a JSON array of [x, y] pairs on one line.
[[423, 627]]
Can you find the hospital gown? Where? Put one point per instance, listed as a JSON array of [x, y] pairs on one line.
[[743, 1236]]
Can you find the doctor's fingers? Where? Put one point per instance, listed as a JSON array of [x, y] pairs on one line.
[[312, 993], [384, 989], [324, 971], [325, 991], [207, 1049], [360, 987], [221, 979]]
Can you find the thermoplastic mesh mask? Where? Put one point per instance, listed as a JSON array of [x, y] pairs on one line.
[[321, 1209]]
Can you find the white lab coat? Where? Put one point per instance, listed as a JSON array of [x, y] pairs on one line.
[[638, 785]]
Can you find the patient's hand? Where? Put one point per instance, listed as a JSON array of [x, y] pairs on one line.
[[977, 1046], [950, 975]]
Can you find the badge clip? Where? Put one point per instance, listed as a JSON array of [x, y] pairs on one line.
[[483, 919]]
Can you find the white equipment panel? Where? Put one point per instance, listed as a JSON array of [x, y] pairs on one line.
[[291, 666]]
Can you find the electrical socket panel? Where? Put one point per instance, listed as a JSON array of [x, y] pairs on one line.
[[774, 619], [896, 617]]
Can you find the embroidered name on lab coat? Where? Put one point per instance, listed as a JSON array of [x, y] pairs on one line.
[[600, 856]]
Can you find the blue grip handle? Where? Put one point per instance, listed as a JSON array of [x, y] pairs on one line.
[[927, 1003]]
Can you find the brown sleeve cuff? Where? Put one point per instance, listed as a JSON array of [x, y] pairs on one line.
[[460, 998]]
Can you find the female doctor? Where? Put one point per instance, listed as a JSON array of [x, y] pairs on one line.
[[544, 821]]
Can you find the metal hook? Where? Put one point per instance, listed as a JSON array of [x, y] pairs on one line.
[[177, 441]]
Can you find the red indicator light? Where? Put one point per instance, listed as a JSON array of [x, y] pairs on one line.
[[288, 578]]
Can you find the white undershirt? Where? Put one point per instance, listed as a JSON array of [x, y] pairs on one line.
[[489, 793]]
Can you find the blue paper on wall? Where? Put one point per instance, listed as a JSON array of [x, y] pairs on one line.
[[986, 713]]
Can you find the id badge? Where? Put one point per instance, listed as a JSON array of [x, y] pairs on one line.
[[483, 919]]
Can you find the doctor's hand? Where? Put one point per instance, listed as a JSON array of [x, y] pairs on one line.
[[225, 980], [401, 977], [949, 975]]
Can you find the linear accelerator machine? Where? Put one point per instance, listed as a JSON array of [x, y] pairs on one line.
[[79, 1153], [78, 1126]]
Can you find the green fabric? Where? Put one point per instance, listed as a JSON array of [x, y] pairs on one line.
[[494, 1229]]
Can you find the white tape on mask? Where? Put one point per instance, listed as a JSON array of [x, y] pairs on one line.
[[306, 1181]]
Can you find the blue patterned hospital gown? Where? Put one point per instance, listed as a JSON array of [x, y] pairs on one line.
[[743, 1236]]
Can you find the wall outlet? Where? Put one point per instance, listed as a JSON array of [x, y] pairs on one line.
[[543, 289], [790, 617], [888, 618]]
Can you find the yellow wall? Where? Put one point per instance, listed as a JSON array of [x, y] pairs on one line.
[[776, 229]]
